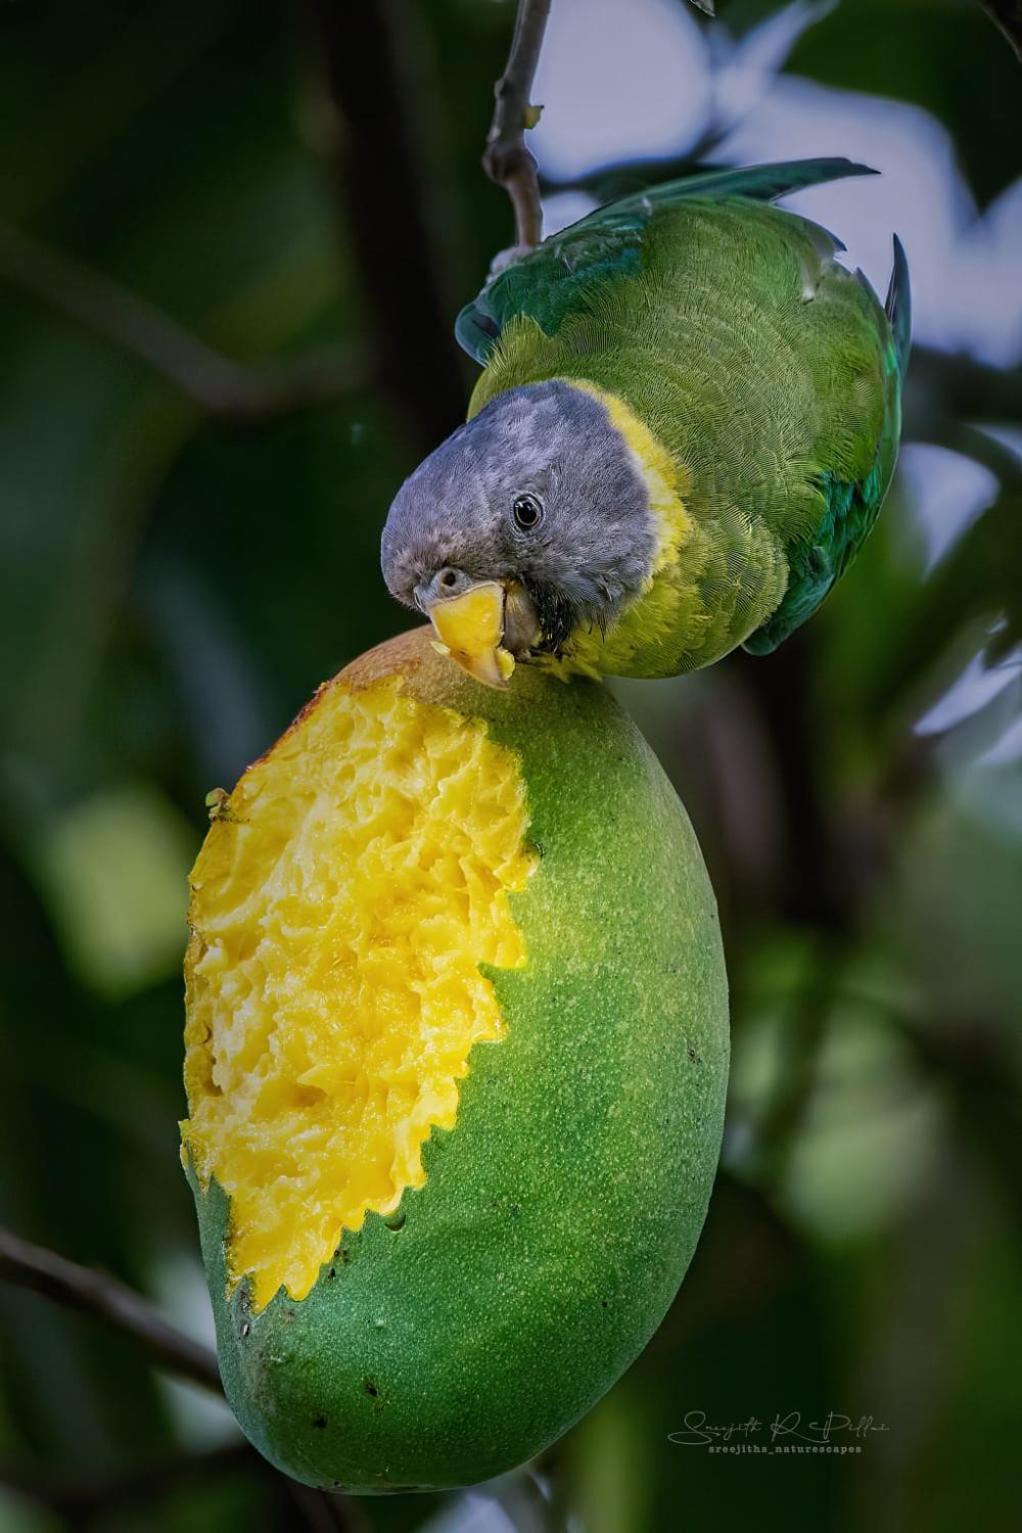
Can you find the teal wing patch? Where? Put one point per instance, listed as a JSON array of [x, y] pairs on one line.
[[851, 511], [548, 283]]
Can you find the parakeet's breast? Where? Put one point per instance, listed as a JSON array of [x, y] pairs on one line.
[[683, 616], [644, 641]]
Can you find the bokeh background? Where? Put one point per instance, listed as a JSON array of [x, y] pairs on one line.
[[235, 236]]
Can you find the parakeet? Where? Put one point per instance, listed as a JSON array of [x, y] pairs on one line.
[[685, 427]]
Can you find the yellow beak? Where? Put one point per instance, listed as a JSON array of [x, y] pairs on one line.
[[470, 628]]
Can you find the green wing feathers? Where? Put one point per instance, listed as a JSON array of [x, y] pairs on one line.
[[852, 504], [608, 243]]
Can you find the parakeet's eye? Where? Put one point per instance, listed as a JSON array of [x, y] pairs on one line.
[[528, 512]]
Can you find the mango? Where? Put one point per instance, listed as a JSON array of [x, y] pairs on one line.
[[456, 1055]]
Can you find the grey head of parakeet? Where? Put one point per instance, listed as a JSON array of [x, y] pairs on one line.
[[531, 520]]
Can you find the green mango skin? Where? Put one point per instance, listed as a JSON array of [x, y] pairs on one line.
[[456, 1340]]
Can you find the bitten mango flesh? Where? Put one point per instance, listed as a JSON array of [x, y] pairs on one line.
[[456, 1055]]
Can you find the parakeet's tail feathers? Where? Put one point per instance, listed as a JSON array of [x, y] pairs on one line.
[[764, 183], [898, 306]]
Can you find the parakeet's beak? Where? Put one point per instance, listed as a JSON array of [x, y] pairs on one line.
[[484, 627]]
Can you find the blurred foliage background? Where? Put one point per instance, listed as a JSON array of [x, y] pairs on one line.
[[234, 239]]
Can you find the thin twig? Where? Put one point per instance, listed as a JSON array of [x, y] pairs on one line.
[[506, 160], [375, 93], [973, 1061], [217, 385], [944, 388], [80, 1498], [1006, 15], [801, 1046], [96, 1293]]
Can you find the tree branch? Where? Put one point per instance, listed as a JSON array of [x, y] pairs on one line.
[[976, 1064], [95, 1293], [817, 886], [801, 1045], [218, 386], [79, 1498], [506, 160], [376, 104], [943, 387], [1006, 16]]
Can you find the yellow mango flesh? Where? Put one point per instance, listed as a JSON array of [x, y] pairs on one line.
[[341, 907]]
